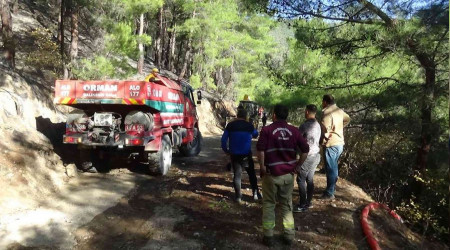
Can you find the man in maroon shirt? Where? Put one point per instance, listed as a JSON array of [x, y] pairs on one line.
[[276, 150]]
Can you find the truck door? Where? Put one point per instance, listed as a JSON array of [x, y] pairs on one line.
[[190, 114]]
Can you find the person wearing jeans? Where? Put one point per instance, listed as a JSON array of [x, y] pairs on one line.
[[333, 122], [311, 131], [332, 155]]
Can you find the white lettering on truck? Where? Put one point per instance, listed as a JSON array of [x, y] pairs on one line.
[[173, 96], [134, 90], [65, 87], [135, 87], [65, 90], [99, 88]]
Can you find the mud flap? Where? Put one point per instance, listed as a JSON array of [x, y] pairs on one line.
[[154, 145]]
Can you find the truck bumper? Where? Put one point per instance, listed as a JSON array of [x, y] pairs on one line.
[[120, 141]]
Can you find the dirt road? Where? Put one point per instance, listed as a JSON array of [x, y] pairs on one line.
[[190, 208], [193, 208]]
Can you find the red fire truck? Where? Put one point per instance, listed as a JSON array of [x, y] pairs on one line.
[[142, 119]]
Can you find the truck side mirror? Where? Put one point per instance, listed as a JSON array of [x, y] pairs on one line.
[[199, 97]]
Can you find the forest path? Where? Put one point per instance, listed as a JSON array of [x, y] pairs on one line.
[[190, 208], [193, 208]]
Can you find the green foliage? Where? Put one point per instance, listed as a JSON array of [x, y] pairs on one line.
[[229, 45], [195, 81], [137, 7], [423, 214], [100, 67], [121, 42], [46, 54], [377, 78], [119, 19]]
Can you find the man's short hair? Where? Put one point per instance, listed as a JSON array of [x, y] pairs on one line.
[[241, 113], [281, 111], [328, 99], [311, 108]]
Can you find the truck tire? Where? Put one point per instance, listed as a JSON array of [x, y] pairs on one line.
[[194, 147], [161, 160]]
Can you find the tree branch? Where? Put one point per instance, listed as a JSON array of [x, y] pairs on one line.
[[338, 43], [387, 20], [370, 57], [324, 29], [439, 43], [362, 109], [385, 79], [307, 13]]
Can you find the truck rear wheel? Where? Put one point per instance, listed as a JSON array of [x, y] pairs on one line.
[[194, 147], [161, 160]]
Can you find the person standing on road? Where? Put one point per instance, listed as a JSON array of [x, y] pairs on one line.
[[333, 122], [311, 131], [276, 151], [264, 119], [239, 134]]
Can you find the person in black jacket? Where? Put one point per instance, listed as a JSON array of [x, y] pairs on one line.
[[237, 141], [264, 119]]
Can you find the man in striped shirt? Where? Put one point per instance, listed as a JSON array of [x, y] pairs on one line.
[[276, 150]]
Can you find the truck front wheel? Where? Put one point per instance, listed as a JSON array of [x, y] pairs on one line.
[[161, 160], [194, 147]]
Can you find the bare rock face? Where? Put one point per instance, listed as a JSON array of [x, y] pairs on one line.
[[71, 170], [11, 104]]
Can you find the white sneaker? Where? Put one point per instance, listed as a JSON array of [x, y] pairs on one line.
[[257, 196]]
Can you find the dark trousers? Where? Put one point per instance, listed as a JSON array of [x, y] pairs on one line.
[[239, 162]]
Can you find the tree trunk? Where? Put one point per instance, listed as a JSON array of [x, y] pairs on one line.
[[187, 56], [186, 59], [73, 53], [61, 38], [164, 44], [158, 46], [179, 53], [9, 50], [171, 56], [61, 27], [429, 67], [15, 6], [74, 33], [140, 64], [427, 107]]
